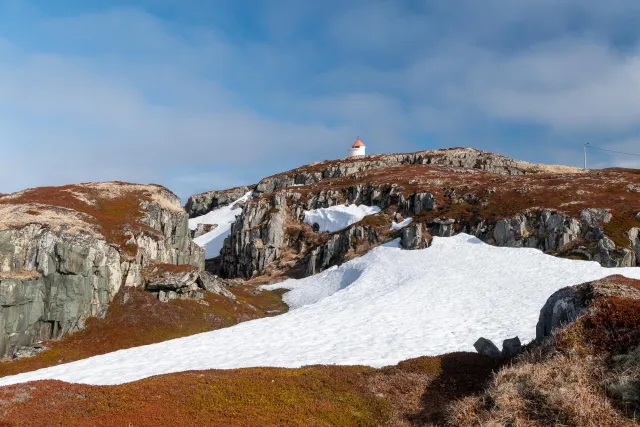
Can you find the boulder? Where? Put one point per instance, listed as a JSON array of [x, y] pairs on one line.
[[445, 226], [215, 284], [415, 236], [487, 348], [511, 347], [593, 217]]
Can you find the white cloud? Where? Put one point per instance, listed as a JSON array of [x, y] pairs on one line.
[[122, 94]]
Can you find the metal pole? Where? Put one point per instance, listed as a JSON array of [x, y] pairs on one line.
[[585, 155]]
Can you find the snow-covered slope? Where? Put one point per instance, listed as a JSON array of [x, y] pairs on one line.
[[386, 306], [222, 217], [335, 218]]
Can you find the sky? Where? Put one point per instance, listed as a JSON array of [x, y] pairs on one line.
[[208, 94]]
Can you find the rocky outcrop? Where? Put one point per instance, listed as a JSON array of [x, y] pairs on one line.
[[334, 252], [66, 251], [203, 203], [415, 236], [256, 238], [456, 157], [567, 304]]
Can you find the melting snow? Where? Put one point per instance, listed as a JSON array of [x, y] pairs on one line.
[[222, 217], [384, 307], [335, 218], [401, 225]]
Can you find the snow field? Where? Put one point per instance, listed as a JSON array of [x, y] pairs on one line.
[[386, 306]]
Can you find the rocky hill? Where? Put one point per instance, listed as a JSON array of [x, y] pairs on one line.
[[66, 251], [561, 210]]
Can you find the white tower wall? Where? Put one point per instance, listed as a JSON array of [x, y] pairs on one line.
[[356, 151]]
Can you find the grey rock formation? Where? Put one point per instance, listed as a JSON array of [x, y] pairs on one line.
[[563, 307], [256, 238], [415, 236], [487, 348], [567, 304], [215, 284], [609, 255], [595, 217], [445, 227], [634, 238], [457, 157], [334, 251], [52, 280], [28, 351], [511, 347], [203, 203]]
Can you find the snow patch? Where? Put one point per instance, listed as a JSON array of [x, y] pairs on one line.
[[400, 225], [223, 217], [336, 218]]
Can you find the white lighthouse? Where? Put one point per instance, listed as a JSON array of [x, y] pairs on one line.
[[357, 149]]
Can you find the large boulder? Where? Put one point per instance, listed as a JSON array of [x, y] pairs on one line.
[[487, 348]]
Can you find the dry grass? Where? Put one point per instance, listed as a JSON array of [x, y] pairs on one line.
[[557, 390]]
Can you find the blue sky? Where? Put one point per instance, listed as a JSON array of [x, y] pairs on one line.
[[205, 94]]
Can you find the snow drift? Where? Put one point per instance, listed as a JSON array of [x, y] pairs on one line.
[[223, 217], [384, 307], [336, 218]]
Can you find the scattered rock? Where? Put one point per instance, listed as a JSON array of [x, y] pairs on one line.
[[445, 226], [487, 348], [595, 217], [28, 351], [633, 189], [215, 284], [511, 347], [415, 236]]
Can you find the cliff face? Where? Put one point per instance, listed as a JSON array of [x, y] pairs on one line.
[[66, 251], [561, 210]]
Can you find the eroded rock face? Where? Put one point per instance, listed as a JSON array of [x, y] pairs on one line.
[[203, 203], [256, 238], [54, 277]]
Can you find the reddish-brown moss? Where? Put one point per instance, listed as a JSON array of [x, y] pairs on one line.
[[142, 320], [613, 326], [116, 218]]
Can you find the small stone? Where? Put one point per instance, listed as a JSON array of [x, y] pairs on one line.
[[511, 347], [638, 216], [487, 348]]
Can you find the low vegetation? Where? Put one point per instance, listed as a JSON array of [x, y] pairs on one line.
[[136, 317], [113, 209]]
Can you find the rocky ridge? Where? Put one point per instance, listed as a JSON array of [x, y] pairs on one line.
[[561, 210], [66, 251]]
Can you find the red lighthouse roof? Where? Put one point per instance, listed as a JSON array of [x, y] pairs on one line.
[[358, 143]]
